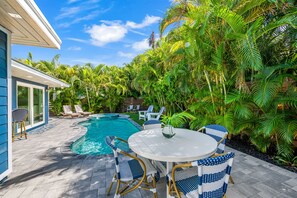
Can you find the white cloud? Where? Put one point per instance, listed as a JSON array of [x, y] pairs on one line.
[[74, 48], [77, 40], [82, 11], [141, 45], [103, 34], [67, 12], [148, 20], [126, 55], [139, 33], [72, 1], [77, 20]]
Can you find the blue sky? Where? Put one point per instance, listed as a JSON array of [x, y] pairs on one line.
[[98, 31]]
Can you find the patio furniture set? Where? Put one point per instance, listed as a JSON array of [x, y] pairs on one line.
[[194, 163]]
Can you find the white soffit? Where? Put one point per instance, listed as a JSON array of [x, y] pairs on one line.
[[25, 72], [27, 24]]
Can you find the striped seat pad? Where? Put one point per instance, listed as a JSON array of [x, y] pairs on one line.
[[187, 182], [132, 169]]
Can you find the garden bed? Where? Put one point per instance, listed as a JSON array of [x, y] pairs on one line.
[[244, 146]]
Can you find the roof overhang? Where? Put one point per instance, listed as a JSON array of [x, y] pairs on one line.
[[27, 24], [26, 72]]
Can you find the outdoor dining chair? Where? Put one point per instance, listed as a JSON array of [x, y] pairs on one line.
[[203, 178], [152, 124], [143, 114], [19, 116], [219, 133], [137, 172]]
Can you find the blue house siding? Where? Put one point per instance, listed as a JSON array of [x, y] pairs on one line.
[[3, 104], [14, 97]]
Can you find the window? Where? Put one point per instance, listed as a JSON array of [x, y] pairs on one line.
[[31, 97]]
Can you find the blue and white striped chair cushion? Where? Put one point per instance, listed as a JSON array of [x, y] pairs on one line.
[[132, 169], [152, 124], [187, 181], [207, 178], [217, 132]]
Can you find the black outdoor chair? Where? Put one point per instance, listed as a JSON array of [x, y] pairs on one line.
[[19, 116]]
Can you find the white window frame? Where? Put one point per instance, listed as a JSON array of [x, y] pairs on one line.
[[31, 88]]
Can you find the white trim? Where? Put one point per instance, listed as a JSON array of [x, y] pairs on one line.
[[34, 12], [9, 105], [35, 72], [31, 88]]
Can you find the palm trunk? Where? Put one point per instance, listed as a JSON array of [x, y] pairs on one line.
[[210, 89], [88, 98]]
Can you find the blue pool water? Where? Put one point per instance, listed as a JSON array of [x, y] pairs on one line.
[[93, 142]]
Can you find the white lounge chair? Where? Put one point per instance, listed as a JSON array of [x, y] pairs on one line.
[[155, 116], [68, 112], [129, 108], [79, 110], [137, 107], [143, 114]]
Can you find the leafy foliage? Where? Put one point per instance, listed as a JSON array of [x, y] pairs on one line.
[[227, 62]]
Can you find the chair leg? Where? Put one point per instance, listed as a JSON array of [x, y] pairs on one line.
[[13, 131], [21, 125], [111, 184], [117, 193], [155, 187], [25, 132], [231, 179]]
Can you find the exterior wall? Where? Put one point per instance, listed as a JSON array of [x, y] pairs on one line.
[[4, 117], [14, 97]]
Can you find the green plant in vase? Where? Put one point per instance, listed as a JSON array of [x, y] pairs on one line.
[[175, 120]]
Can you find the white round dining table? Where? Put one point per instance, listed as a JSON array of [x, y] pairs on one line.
[[186, 145]]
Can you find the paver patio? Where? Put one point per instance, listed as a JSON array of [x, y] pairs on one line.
[[44, 166]]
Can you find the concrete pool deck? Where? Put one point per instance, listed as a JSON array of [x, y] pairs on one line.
[[44, 166]]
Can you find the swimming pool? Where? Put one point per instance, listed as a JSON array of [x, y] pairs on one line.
[[98, 127]]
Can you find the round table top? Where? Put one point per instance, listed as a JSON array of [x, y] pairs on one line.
[[186, 145]]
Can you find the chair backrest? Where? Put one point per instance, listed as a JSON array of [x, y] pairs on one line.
[[78, 109], [217, 132], [19, 115], [213, 175], [152, 124], [67, 109], [150, 109], [160, 112], [110, 141], [137, 107], [130, 107]]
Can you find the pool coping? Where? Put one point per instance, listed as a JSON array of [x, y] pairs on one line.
[[66, 148]]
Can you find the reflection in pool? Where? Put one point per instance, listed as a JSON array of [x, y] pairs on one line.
[[93, 142]]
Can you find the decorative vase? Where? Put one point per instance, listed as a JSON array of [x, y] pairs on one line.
[[168, 131]]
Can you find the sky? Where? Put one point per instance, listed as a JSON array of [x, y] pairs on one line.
[[110, 32]]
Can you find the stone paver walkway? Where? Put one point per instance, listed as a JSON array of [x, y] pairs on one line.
[[43, 166]]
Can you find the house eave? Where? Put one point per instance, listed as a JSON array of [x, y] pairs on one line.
[[20, 70], [28, 25]]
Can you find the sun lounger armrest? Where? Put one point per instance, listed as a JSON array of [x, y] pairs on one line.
[[154, 114], [142, 112]]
